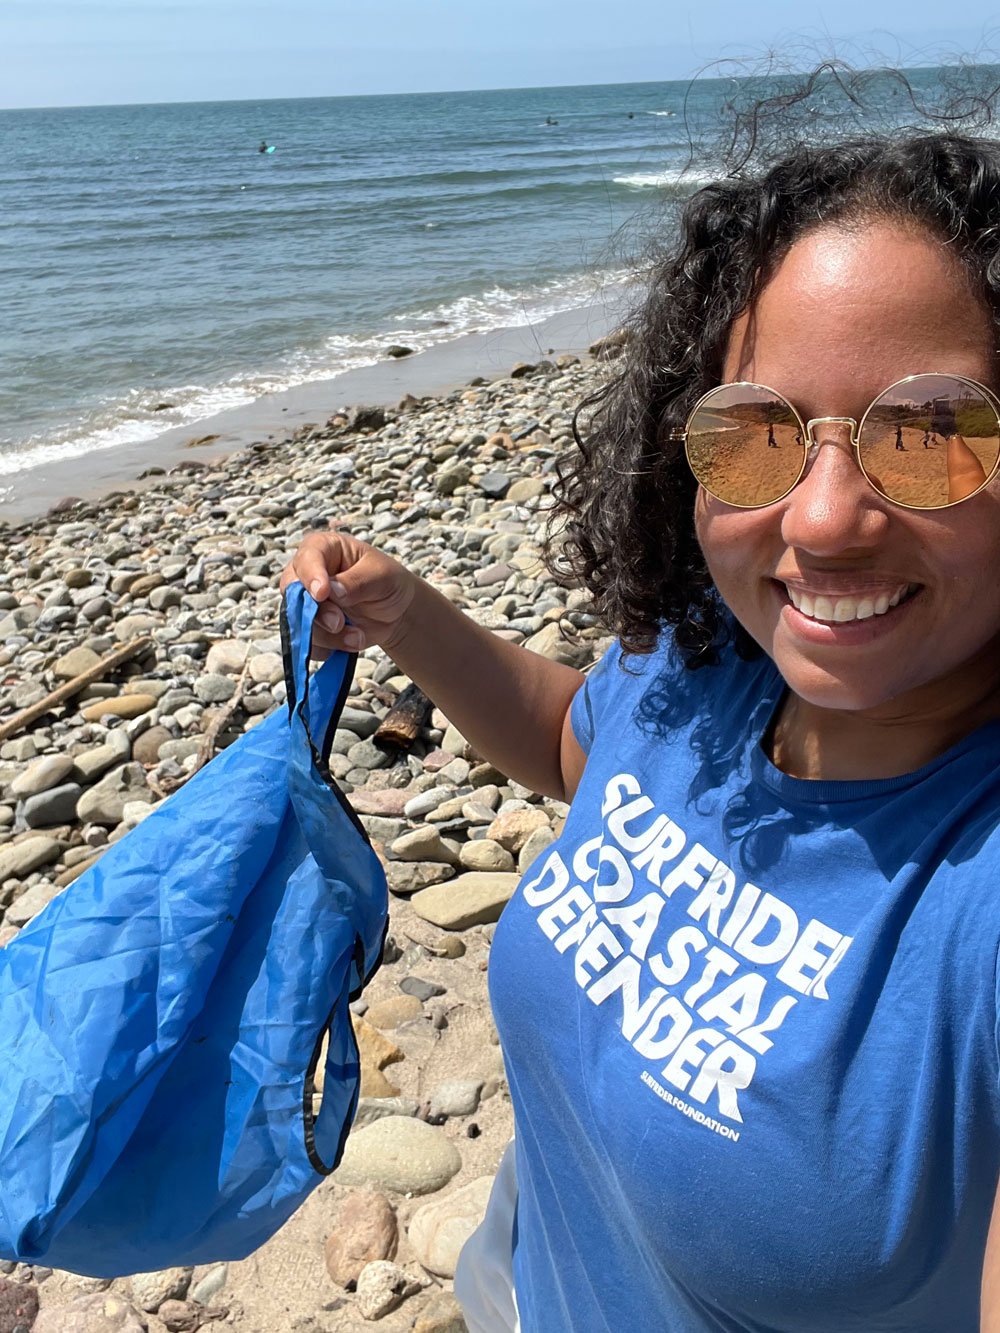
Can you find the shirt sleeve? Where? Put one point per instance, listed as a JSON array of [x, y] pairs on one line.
[[591, 698]]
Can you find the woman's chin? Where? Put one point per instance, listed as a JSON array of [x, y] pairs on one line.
[[842, 691]]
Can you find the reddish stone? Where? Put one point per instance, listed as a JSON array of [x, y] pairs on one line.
[[364, 1230], [435, 760]]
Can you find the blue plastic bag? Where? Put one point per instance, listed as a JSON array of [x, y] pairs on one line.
[[161, 1020]]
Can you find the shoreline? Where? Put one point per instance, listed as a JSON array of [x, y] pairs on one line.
[[278, 416]]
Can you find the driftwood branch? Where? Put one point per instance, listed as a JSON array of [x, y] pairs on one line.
[[65, 692], [206, 751], [405, 719]]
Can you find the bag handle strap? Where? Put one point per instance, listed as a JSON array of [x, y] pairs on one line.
[[318, 698], [315, 705], [301, 611]]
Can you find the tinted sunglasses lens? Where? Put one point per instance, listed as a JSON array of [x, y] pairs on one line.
[[929, 441], [744, 445]]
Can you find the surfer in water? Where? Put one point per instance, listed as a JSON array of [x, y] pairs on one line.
[[264, 147]]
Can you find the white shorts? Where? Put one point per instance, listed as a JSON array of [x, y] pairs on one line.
[[484, 1279]]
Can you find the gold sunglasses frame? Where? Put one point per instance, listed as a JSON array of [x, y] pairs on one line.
[[810, 445]]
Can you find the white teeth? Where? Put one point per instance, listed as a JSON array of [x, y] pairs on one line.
[[840, 610]]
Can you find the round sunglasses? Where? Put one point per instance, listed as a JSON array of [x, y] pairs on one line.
[[926, 442]]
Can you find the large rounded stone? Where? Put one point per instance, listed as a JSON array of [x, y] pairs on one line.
[[405, 877], [393, 1011], [527, 488], [468, 900], [422, 844], [214, 688], [146, 748], [30, 902], [131, 627], [78, 578], [205, 1289], [42, 775], [456, 1096], [426, 801], [537, 843], [266, 669], [551, 643], [401, 1154], [448, 482], [52, 807], [103, 1312], [364, 1229], [439, 1229], [75, 663], [150, 1290], [484, 854], [390, 801], [513, 828], [92, 763], [145, 584], [227, 657], [105, 803], [126, 705], [162, 598], [377, 1108], [21, 858]]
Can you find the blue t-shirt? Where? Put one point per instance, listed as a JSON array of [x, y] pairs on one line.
[[750, 1027]]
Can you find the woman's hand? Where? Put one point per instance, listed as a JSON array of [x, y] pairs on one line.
[[363, 594]]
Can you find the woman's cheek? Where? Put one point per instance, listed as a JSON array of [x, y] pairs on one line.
[[732, 542]]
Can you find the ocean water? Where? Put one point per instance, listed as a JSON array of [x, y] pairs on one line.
[[156, 268]]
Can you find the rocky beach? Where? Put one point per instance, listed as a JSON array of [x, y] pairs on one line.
[[139, 636]]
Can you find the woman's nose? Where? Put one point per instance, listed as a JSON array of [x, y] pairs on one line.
[[833, 508]]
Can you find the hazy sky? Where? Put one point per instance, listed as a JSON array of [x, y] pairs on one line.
[[76, 52]]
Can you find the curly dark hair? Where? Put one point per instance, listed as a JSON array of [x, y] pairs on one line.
[[623, 520]]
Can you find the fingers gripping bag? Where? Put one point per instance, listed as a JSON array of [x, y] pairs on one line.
[[161, 1020]]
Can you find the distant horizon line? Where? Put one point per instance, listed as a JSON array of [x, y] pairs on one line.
[[440, 92]]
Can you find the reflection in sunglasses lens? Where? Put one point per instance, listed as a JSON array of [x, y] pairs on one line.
[[929, 441], [744, 445]]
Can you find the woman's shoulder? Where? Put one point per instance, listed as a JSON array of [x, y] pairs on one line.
[[624, 689]]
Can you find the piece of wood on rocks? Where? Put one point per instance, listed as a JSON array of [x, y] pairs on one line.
[[206, 750], [65, 692], [405, 719]]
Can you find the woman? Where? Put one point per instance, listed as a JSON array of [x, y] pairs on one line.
[[748, 1002]]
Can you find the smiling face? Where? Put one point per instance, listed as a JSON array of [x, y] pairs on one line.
[[847, 313]]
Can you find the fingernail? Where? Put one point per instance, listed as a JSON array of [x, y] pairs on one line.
[[316, 587], [338, 589], [353, 639]]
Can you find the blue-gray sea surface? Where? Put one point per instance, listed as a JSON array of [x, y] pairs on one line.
[[156, 268]]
